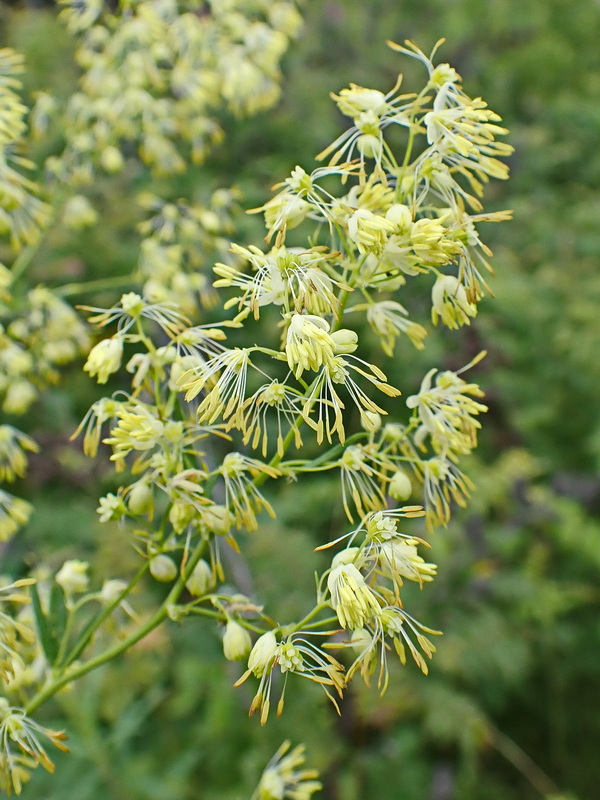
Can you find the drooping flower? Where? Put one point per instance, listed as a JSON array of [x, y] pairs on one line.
[[273, 399], [443, 483], [450, 303], [14, 513], [294, 654], [236, 641], [389, 320], [72, 576], [105, 358], [224, 378], [351, 599], [282, 780], [13, 445], [242, 495], [448, 412]]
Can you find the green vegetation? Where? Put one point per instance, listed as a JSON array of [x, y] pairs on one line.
[[508, 707]]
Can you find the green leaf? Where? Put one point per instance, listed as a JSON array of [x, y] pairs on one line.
[[47, 639], [57, 613]]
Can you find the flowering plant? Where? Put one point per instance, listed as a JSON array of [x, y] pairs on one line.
[[280, 383]]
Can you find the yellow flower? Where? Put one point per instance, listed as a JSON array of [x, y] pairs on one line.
[[447, 412], [13, 444], [450, 303], [443, 482], [308, 343], [241, 493], [14, 513], [400, 559], [389, 319], [369, 231], [105, 358], [226, 391], [283, 402], [351, 599], [282, 778]]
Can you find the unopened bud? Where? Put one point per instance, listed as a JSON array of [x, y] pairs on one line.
[[180, 515], [163, 568], [111, 590], [217, 519], [72, 576], [345, 341], [236, 641], [400, 487], [140, 500], [201, 579]]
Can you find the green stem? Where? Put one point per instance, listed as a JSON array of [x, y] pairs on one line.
[[523, 763], [94, 286], [311, 615], [222, 617], [116, 650], [23, 260], [82, 642], [64, 642], [26, 256]]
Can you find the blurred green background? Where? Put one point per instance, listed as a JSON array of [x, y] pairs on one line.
[[509, 709]]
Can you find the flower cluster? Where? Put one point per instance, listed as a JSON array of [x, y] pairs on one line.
[[211, 411], [155, 74], [363, 588], [21, 746], [22, 213], [390, 225], [179, 240]]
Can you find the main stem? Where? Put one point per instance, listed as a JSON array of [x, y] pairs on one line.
[[102, 658]]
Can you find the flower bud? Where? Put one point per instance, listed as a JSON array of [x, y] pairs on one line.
[[345, 341], [79, 213], [361, 640], [370, 421], [217, 519], [111, 590], [201, 579], [72, 578], [400, 487], [20, 394], [163, 568], [181, 514], [369, 145], [140, 500], [236, 641], [104, 358]]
